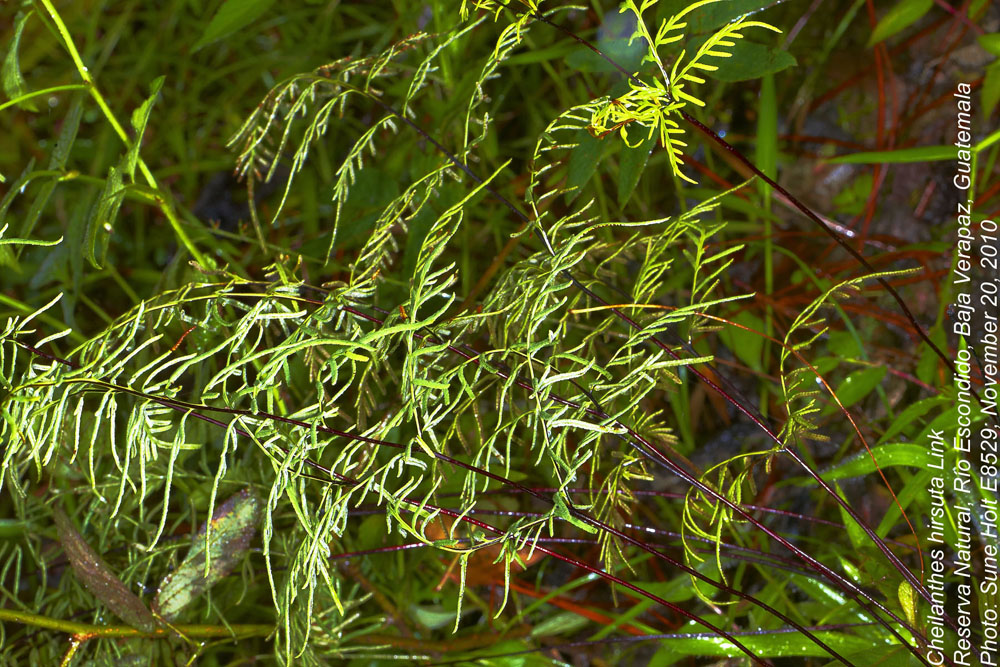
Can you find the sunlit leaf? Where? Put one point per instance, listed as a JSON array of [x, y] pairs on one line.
[[908, 600], [763, 644], [748, 346], [892, 454]]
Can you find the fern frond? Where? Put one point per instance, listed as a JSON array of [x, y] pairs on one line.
[[656, 105]]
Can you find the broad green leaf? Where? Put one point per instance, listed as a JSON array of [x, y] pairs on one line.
[[857, 536], [628, 56], [918, 154], [15, 189], [903, 15], [371, 532], [991, 43], [232, 16], [98, 578], [10, 73], [762, 643], [613, 39], [911, 413], [859, 384], [709, 17], [633, 162], [750, 60], [217, 549], [583, 161], [851, 200], [843, 344], [534, 56], [748, 346], [889, 455], [990, 93], [677, 589], [945, 421]]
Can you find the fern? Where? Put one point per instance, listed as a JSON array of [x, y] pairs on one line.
[[379, 395], [657, 105]]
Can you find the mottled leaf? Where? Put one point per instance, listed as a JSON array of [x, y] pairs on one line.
[[98, 578], [217, 549]]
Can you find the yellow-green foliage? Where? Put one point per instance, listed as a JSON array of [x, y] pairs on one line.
[[658, 104]]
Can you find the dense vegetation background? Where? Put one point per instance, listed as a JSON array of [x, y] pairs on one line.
[[472, 343]]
